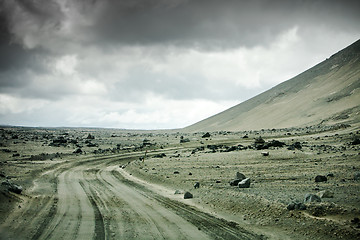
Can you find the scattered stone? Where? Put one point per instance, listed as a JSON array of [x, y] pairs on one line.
[[146, 142], [296, 206], [259, 140], [78, 151], [160, 155], [90, 136], [176, 172], [178, 192], [218, 181], [185, 140], [206, 135], [320, 178], [214, 148], [196, 185], [188, 195], [317, 210], [234, 182], [265, 154], [356, 141], [5, 183], [325, 194], [232, 148], [15, 188], [357, 176], [12, 187], [259, 144], [311, 198], [275, 143], [300, 206], [240, 176], [244, 183], [90, 144], [61, 141], [296, 145], [190, 173]]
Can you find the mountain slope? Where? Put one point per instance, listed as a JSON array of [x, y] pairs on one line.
[[326, 93]]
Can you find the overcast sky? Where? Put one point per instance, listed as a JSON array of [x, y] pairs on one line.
[[150, 64]]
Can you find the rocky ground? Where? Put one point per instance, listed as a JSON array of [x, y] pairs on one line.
[[283, 165]]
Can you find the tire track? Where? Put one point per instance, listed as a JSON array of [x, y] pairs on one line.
[[135, 215], [30, 218], [39, 216], [73, 204], [121, 216], [94, 206], [118, 217], [49, 223], [99, 220], [60, 215], [215, 227], [46, 221], [160, 222]]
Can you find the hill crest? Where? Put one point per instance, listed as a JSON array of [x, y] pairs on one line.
[[327, 93]]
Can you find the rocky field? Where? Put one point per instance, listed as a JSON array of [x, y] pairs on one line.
[[296, 183]]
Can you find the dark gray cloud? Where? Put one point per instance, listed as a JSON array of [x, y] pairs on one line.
[[214, 23], [197, 23], [16, 61], [121, 54]]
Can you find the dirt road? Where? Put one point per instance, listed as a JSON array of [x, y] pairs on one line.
[[91, 199]]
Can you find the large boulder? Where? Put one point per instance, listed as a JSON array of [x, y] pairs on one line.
[[245, 183]]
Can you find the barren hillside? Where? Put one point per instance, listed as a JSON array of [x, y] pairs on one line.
[[325, 94]]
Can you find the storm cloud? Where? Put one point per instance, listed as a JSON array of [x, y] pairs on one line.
[[158, 63]]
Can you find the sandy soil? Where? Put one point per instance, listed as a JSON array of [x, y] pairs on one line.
[[108, 192]]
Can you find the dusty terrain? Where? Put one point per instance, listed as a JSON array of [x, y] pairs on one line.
[[106, 190]]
